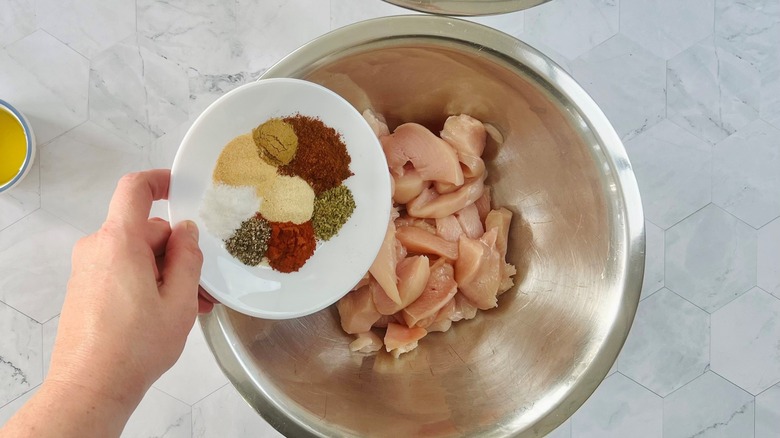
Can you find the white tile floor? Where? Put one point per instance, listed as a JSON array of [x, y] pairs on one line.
[[693, 87]]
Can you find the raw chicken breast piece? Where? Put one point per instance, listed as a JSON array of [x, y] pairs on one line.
[[407, 186], [468, 217], [500, 220], [478, 270], [366, 342], [483, 204], [464, 309], [357, 311], [417, 240], [448, 228], [400, 339], [376, 122], [384, 320], [443, 319], [413, 273], [468, 137], [383, 268], [428, 225], [441, 287], [432, 157], [430, 204]]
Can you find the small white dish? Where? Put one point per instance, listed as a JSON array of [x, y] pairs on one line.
[[338, 264], [31, 147]]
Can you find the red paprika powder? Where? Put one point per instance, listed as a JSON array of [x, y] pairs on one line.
[[290, 245]]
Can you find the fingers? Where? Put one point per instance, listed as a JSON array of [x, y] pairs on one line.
[[206, 296], [134, 194], [204, 306], [183, 261], [157, 233]]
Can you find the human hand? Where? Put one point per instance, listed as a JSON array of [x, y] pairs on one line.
[[132, 298]]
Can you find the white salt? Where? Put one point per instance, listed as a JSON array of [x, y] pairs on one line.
[[225, 207]]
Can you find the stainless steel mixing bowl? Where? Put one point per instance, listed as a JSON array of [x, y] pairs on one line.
[[467, 7], [577, 239]]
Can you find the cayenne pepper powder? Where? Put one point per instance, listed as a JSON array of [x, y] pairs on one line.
[[321, 159], [290, 245]]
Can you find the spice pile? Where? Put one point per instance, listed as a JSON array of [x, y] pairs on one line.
[[278, 190]]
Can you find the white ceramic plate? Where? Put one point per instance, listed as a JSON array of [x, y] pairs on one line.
[[338, 264]]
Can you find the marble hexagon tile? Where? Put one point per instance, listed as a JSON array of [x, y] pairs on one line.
[[749, 28], [770, 91], [87, 26], [619, 408], [20, 352], [666, 27], [136, 94], [160, 415], [36, 289], [79, 191], [669, 343], [709, 406], [47, 81], [653, 279], [8, 411], [344, 12], [711, 91], [674, 171], [710, 258], [24, 199], [196, 364], [746, 340], [627, 81], [746, 174], [768, 413], [769, 258], [225, 413], [573, 27], [17, 19]]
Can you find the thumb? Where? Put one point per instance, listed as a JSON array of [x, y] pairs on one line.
[[183, 261]]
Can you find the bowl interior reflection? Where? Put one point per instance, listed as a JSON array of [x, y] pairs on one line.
[[520, 368]]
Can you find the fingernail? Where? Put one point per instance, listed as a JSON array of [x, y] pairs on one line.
[[191, 228]]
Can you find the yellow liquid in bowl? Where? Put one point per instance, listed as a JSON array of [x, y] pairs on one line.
[[13, 146]]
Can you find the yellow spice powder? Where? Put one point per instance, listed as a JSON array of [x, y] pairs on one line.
[[276, 141], [291, 199], [240, 165]]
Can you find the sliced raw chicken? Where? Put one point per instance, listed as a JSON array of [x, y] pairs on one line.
[[384, 320], [407, 186], [430, 204], [464, 309], [400, 339], [483, 204], [448, 228], [443, 319], [384, 305], [377, 123], [363, 281], [413, 273], [383, 268], [468, 217], [432, 157], [366, 342], [439, 325], [478, 270], [357, 311], [417, 240], [468, 137], [443, 188], [441, 287], [500, 220], [428, 225], [508, 270]]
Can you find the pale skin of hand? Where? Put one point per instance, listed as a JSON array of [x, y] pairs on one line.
[[132, 298]]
